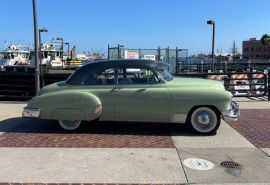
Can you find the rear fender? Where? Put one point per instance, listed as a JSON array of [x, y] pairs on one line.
[[67, 105]]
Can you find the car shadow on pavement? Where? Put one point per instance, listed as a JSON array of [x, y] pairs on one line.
[[32, 125]]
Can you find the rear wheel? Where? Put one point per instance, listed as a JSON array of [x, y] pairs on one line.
[[204, 120], [69, 124]]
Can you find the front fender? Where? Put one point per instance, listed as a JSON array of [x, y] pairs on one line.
[[67, 105], [182, 101]]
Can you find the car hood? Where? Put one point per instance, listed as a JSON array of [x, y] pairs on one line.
[[195, 83], [52, 88]]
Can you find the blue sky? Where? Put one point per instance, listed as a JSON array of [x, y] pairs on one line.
[[93, 24]]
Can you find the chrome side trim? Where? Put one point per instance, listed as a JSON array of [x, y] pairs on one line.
[[232, 114], [30, 112]]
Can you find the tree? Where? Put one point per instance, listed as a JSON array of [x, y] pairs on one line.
[[266, 42], [234, 49]]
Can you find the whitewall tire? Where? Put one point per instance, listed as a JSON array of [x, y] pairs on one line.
[[69, 124], [204, 120]]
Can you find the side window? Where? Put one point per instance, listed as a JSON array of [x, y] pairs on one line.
[[136, 76], [102, 77]]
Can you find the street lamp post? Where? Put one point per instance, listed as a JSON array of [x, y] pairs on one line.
[[67, 43], [62, 47], [119, 50], [212, 22], [41, 69], [39, 35], [37, 78]]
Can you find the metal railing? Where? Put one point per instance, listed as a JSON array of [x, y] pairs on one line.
[[20, 84], [224, 66], [240, 84]]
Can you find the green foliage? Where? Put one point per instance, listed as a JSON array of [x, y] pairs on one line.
[[265, 40]]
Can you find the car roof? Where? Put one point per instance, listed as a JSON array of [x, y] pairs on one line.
[[83, 71], [121, 63]]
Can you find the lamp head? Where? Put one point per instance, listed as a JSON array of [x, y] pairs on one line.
[[43, 30], [211, 21]]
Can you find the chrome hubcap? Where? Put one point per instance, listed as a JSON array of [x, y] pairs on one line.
[[203, 118]]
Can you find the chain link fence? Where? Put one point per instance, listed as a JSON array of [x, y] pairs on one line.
[[168, 55]]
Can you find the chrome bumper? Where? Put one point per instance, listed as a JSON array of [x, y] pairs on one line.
[[232, 114], [30, 112]]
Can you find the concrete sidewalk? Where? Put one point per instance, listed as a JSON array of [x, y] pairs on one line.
[[133, 165], [11, 110]]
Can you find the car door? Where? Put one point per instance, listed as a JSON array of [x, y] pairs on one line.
[[101, 82], [140, 97]]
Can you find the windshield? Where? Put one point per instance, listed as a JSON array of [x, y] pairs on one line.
[[163, 71]]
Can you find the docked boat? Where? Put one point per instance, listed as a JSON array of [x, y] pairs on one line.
[[50, 55], [14, 55]]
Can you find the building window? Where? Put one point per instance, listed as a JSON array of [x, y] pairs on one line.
[[251, 49], [246, 49], [258, 49]]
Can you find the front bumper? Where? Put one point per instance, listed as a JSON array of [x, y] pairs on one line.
[[232, 114], [30, 112]]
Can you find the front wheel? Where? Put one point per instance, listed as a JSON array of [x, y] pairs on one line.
[[69, 125], [204, 120]]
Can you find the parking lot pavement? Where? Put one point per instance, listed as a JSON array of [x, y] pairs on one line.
[[266, 150], [10, 111], [226, 137], [236, 184], [253, 165], [254, 125], [34, 150], [80, 165], [253, 102], [47, 133]]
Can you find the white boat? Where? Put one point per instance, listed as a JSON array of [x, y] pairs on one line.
[[50, 55], [14, 55]]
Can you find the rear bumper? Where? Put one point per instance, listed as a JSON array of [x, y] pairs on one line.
[[30, 112], [232, 114]]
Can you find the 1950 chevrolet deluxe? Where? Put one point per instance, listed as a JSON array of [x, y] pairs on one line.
[[133, 90]]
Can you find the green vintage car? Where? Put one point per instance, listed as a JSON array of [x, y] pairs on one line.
[[133, 90]]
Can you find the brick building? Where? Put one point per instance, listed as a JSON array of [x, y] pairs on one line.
[[254, 50]]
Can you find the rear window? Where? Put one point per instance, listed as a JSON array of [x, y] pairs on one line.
[[84, 76]]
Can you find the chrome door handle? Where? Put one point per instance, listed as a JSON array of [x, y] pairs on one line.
[[116, 89]]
